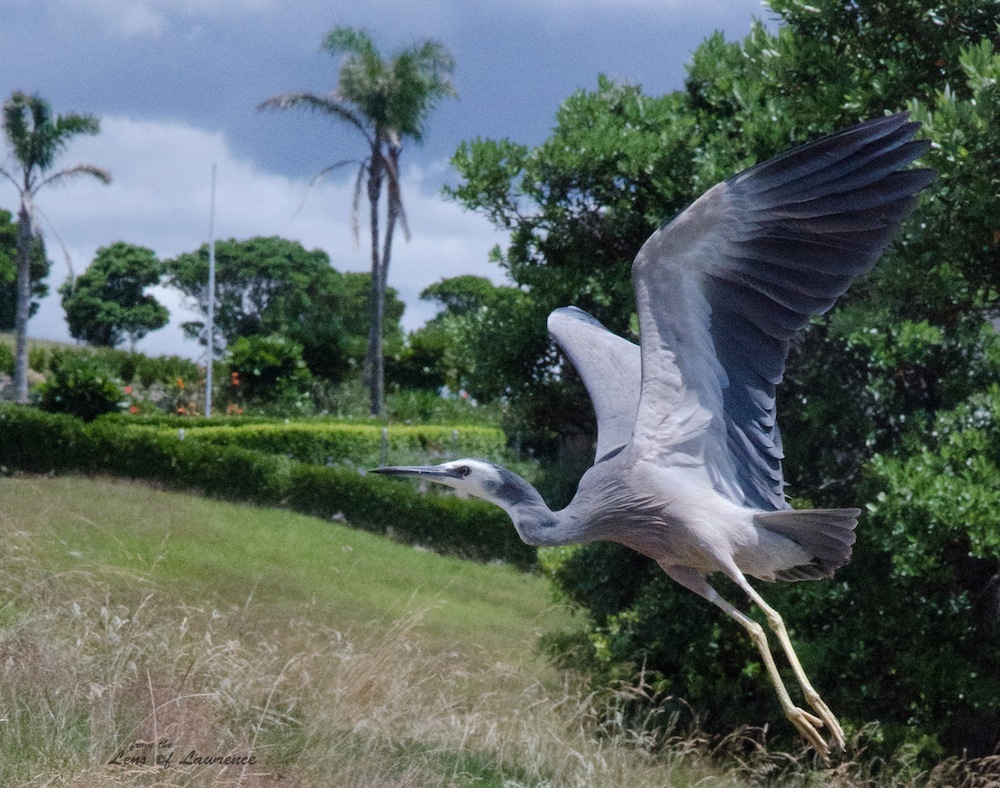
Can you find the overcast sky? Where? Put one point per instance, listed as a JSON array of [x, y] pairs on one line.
[[176, 82]]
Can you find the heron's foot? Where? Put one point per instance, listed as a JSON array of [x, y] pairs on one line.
[[828, 718], [808, 726]]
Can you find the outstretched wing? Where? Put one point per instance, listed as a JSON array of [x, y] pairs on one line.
[[722, 288], [610, 368]]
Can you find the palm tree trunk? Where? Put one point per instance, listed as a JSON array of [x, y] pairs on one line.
[[380, 281], [23, 310], [392, 213], [376, 361]]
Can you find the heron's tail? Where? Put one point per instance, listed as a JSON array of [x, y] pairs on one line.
[[826, 534]]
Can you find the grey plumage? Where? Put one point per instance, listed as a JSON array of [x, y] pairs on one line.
[[688, 459]]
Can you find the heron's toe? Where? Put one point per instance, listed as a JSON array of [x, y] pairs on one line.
[[808, 727]]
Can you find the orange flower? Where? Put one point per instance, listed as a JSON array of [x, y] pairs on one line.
[[180, 383], [128, 390], [133, 410]]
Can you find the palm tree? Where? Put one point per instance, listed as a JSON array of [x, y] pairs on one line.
[[36, 139], [387, 101]]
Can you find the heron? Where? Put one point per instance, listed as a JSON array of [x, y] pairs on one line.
[[687, 469]]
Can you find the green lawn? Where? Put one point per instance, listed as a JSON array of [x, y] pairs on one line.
[[274, 564]]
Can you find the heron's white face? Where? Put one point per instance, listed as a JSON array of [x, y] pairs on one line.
[[472, 477]]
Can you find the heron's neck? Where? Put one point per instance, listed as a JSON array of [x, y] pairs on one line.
[[536, 523]]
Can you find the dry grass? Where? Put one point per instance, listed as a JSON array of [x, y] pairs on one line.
[[87, 671], [84, 679]]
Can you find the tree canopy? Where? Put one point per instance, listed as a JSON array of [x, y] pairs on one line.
[[40, 266], [273, 286], [108, 302], [446, 351]]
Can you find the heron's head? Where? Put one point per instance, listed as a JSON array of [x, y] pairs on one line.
[[480, 478]]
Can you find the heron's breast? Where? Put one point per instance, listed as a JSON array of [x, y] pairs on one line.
[[687, 530]]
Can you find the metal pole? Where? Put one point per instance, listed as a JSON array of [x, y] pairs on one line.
[[211, 302]]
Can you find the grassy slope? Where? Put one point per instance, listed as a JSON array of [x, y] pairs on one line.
[[128, 613], [275, 563]]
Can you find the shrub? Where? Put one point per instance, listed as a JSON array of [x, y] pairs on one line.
[[267, 369], [220, 471], [39, 442], [79, 386], [428, 406], [40, 357]]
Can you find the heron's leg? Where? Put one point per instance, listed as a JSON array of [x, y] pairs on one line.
[[805, 723], [777, 625]]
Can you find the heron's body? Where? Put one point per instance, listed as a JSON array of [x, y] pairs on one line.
[[671, 516], [688, 461]]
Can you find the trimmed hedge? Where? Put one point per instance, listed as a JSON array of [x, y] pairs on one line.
[[38, 442], [328, 444], [466, 527]]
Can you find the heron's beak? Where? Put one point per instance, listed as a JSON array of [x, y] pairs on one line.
[[430, 472]]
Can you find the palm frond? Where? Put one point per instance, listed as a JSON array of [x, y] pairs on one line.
[[24, 119], [69, 173], [9, 176], [422, 77], [356, 205], [319, 177], [395, 195], [33, 133], [36, 213], [331, 105], [346, 40], [331, 167]]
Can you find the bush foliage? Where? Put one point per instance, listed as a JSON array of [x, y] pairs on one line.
[[42, 442], [267, 369], [325, 443], [79, 385]]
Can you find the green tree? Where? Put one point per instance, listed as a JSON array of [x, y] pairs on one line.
[[108, 304], [387, 100], [899, 346], [577, 207], [887, 401], [267, 286], [40, 266], [357, 294], [445, 351], [36, 139]]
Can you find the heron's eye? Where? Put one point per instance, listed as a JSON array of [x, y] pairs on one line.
[[464, 471]]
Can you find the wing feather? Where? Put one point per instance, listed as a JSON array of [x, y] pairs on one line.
[[722, 288], [609, 366]]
